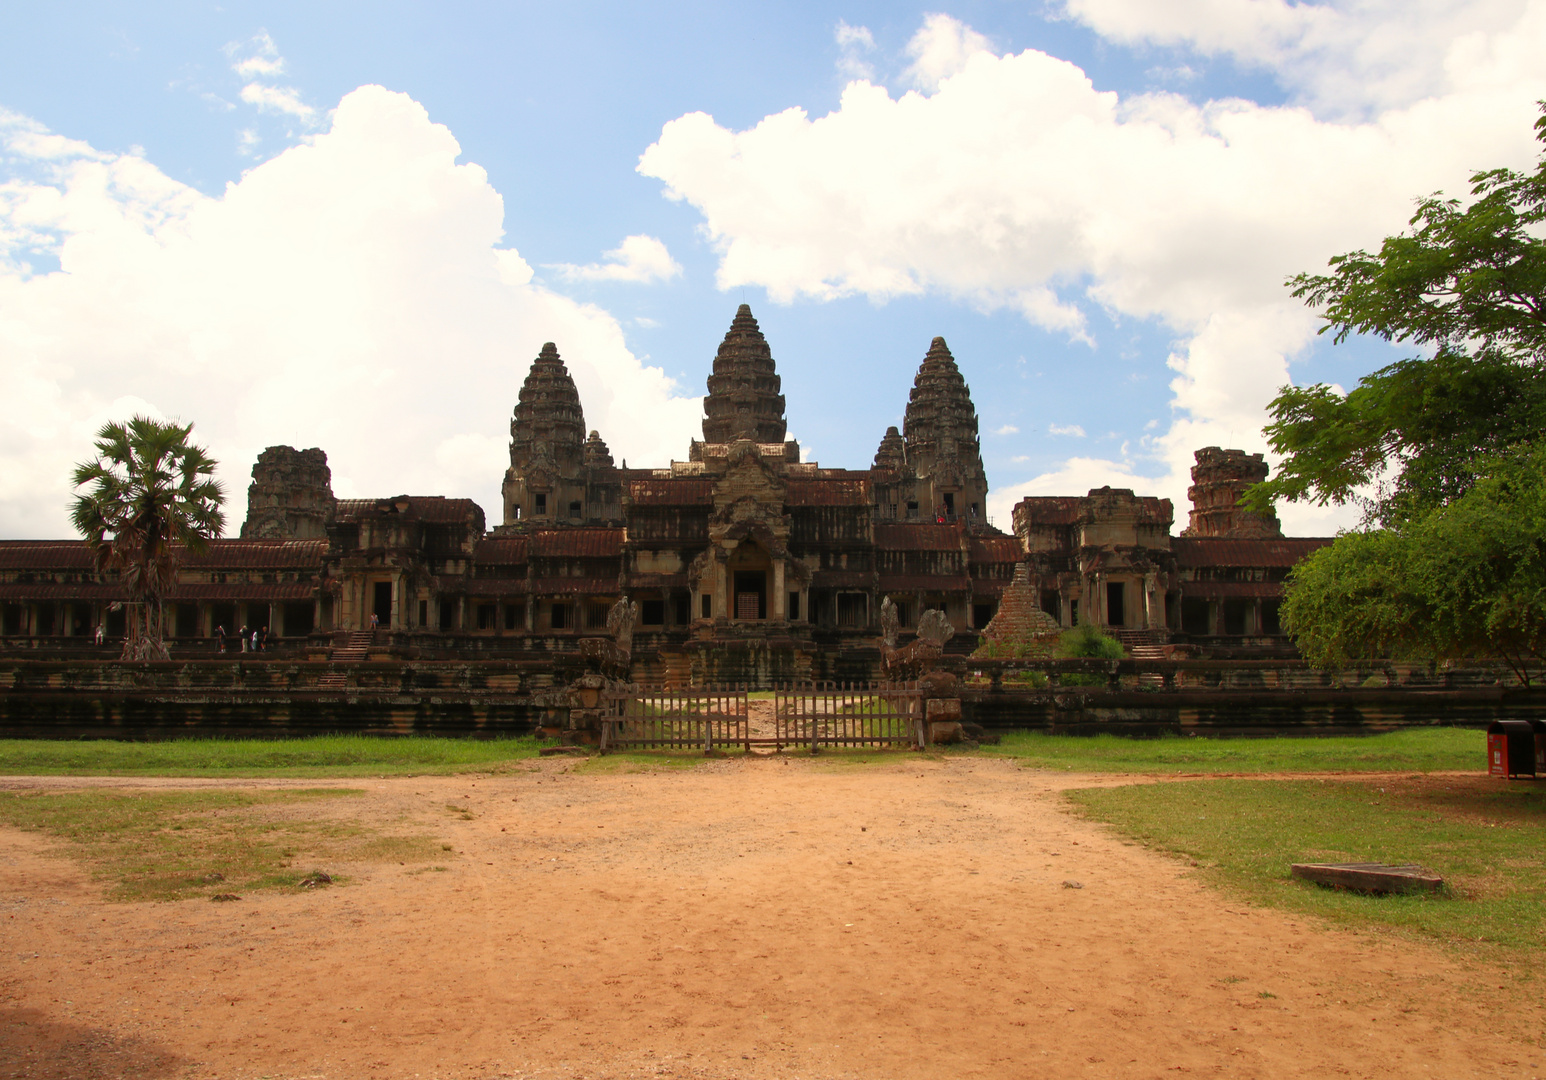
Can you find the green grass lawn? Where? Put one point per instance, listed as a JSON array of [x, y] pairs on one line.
[[173, 845], [1487, 838], [1414, 749], [324, 756]]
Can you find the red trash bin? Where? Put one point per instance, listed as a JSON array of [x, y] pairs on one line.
[[1511, 748]]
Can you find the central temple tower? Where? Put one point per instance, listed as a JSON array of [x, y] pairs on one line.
[[744, 400]]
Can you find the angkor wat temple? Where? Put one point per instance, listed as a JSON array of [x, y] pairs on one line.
[[747, 564]]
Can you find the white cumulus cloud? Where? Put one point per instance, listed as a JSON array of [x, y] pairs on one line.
[[942, 47], [854, 44], [1066, 429], [1007, 429], [350, 293], [1018, 184], [639, 259]]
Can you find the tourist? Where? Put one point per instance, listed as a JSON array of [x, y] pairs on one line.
[[373, 622], [220, 638], [242, 633], [263, 640], [254, 639], [101, 634]]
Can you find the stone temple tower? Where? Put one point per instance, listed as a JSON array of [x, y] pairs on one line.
[[743, 400], [944, 456], [1219, 478], [546, 480], [291, 496]]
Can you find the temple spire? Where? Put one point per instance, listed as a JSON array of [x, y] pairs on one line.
[[548, 419], [744, 400], [940, 421]]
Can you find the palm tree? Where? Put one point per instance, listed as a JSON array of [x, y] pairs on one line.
[[151, 499]]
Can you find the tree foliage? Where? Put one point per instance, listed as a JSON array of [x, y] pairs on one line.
[[1465, 580], [151, 497], [1469, 283]]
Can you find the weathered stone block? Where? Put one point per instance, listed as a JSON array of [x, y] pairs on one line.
[[944, 709], [944, 733]]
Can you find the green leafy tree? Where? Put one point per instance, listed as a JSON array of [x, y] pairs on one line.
[[150, 498], [1465, 580], [1468, 283]]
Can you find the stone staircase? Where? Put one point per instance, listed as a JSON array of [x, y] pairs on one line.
[[356, 647], [1140, 644]]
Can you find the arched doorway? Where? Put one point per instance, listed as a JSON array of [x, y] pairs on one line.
[[750, 568]]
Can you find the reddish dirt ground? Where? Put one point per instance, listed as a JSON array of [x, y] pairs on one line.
[[770, 917]]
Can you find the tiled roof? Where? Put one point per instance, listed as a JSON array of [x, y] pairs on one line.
[[259, 554], [919, 536], [1197, 551], [577, 543], [48, 590], [502, 551], [995, 549], [221, 554], [829, 492], [660, 491], [435, 508], [45, 555]]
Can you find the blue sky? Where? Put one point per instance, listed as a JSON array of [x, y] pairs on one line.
[[203, 216]]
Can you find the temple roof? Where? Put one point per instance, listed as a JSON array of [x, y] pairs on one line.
[[744, 400]]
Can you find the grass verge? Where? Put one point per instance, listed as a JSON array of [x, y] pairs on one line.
[[1408, 750], [175, 845], [323, 756], [1487, 838]]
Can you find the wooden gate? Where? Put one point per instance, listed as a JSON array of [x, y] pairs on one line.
[[676, 720], [848, 714]]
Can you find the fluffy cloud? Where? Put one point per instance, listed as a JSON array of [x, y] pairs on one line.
[[257, 59], [638, 259], [1017, 184], [1342, 57], [350, 293], [854, 44], [941, 48], [1066, 429]]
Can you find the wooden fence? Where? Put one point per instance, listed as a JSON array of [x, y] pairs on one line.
[[849, 714], [676, 720]]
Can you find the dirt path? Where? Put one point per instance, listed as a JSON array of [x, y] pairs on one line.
[[770, 917]]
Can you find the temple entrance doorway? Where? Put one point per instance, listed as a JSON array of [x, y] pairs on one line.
[[1116, 611], [749, 567], [382, 606]]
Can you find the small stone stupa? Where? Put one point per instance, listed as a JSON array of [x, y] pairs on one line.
[[1020, 628]]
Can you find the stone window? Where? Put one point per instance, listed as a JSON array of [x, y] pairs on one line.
[[515, 616], [596, 616], [1271, 619], [683, 610], [1236, 613], [1194, 616], [447, 613], [542, 502], [903, 613], [852, 609], [794, 606], [575, 510], [912, 508], [708, 606], [10, 619], [515, 511], [559, 616], [423, 613], [486, 618], [298, 618], [652, 612]]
